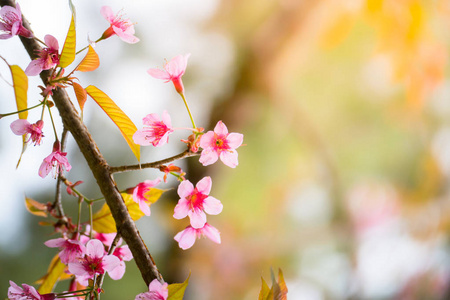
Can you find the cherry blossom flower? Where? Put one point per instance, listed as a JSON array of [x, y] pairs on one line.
[[26, 292], [140, 191], [94, 262], [33, 131], [123, 253], [187, 237], [173, 70], [11, 23], [71, 250], [123, 28], [220, 143], [195, 202], [156, 291], [56, 160], [157, 132], [48, 57]]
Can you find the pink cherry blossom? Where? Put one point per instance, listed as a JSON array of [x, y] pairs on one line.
[[33, 131], [26, 292], [173, 70], [93, 263], [123, 253], [220, 143], [56, 160], [157, 132], [48, 57], [123, 28], [195, 202], [187, 237], [11, 23], [71, 250], [140, 191], [156, 291]]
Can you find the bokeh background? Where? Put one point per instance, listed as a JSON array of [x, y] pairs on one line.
[[343, 181]]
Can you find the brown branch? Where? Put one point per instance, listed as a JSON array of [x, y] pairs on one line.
[[155, 164], [100, 169]]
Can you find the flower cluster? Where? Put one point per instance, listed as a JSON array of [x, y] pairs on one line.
[[89, 255]]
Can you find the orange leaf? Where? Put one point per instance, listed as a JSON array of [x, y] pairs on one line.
[[81, 95], [68, 51], [90, 62], [122, 121], [265, 293], [54, 274], [36, 208]]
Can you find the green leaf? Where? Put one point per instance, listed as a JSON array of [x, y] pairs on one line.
[[54, 274], [122, 121], [176, 290], [68, 51], [103, 221], [90, 62]]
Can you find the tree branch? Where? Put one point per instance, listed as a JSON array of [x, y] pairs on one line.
[[155, 164], [99, 167]]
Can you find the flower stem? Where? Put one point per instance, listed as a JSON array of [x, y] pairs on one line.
[[53, 123], [19, 111], [91, 222], [189, 111]]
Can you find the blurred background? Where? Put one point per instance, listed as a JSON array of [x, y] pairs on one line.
[[343, 181]]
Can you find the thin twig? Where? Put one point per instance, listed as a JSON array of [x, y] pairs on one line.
[[110, 251], [155, 164], [57, 202]]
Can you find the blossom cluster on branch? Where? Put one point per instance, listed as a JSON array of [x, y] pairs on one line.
[[88, 250]]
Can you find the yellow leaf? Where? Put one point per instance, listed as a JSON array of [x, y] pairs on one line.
[[265, 291], [90, 62], [54, 274], [20, 83], [68, 51], [81, 95], [176, 290], [123, 122], [103, 220], [36, 208]]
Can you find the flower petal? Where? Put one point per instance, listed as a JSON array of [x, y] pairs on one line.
[[51, 42], [204, 185], [159, 74], [229, 158], [235, 139], [94, 248], [181, 209], [20, 126], [185, 189], [212, 233], [197, 217], [221, 128], [212, 206], [186, 238], [208, 156]]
